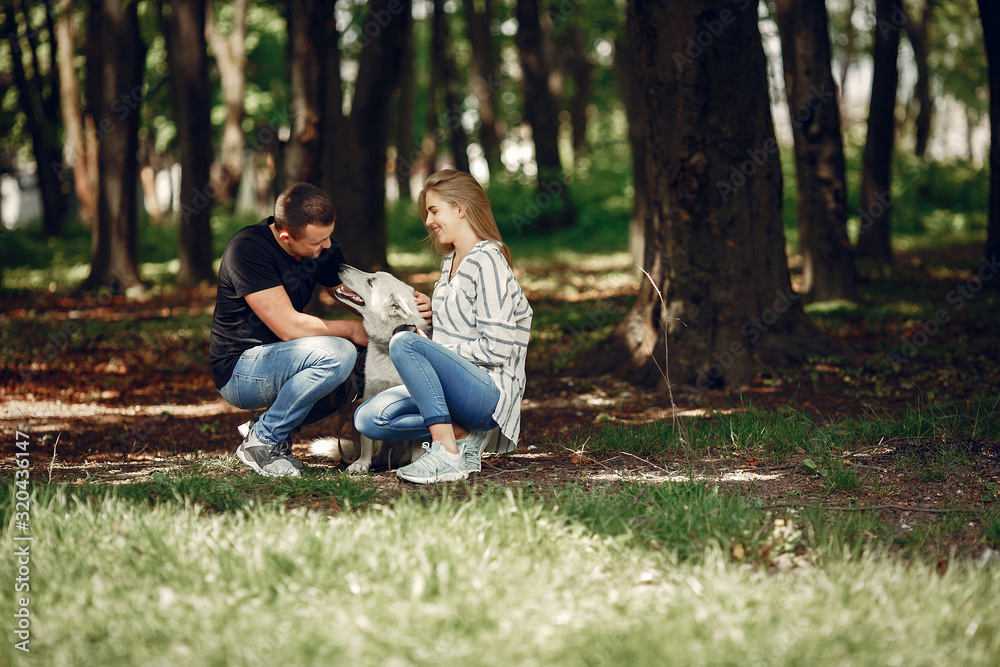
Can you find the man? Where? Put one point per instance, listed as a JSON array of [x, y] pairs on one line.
[[264, 350]]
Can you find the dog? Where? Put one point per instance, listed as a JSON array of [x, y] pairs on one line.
[[384, 303]]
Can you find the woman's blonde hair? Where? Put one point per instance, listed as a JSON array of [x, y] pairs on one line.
[[461, 189]]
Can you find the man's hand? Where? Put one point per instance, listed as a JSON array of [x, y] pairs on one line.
[[355, 332], [424, 307]]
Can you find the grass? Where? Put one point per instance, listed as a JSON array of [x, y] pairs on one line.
[[493, 579]]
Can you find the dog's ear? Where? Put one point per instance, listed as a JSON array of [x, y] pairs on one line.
[[398, 307]]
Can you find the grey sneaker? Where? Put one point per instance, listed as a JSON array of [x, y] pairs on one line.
[[436, 465], [283, 449], [474, 444], [266, 459]]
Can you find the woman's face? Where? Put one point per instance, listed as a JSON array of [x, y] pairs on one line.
[[444, 220]]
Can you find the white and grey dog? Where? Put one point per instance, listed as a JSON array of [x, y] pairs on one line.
[[384, 302]]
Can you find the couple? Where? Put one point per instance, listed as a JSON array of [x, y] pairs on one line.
[[465, 381]]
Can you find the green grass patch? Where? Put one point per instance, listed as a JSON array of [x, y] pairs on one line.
[[116, 581]]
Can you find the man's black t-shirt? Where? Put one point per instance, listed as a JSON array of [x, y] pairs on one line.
[[253, 261]]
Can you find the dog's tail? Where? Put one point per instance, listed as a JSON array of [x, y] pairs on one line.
[[338, 449]]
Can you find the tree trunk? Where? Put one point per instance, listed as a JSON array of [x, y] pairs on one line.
[[989, 12], [628, 85], [581, 72], [541, 111], [305, 34], [230, 57], [919, 36], [452, 117], [828, 270], [406, 153], [354, 147], [719, 262], [432, 130], [875, 238], [187, 56], [80, 150], [845, 64], [486, 80], [115, 61], [41, 118]]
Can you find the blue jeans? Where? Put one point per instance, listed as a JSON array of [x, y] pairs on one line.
[[293, 379], [438, 386]]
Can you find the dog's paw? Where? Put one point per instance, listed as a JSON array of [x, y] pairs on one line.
[[359, 467], [331, 447]]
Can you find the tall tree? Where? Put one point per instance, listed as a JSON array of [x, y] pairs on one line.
[[406, 153], [305, 44], [541, 111], [581, 72], [828, 269], [875, 238], [485, 78], [38, 93], [80, 150], [989, 13], [116, 58], [354, 146], [187, 56], [453, 97], [230, 57], [718, 261], [918, 32], [628, 85]]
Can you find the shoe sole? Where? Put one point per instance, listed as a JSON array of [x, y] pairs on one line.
[[446, 477]]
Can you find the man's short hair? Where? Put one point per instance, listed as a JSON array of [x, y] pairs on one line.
[[302, 204]]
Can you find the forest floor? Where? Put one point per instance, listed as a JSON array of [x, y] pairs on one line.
[[113, 390]]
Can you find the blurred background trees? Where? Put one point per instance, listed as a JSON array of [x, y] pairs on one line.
[[146, 132]]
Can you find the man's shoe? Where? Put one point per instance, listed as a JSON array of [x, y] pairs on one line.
[[266, 459], [436, 465], [474, 444], [284, 448]]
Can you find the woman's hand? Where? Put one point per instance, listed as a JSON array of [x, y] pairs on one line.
[[424, 307]]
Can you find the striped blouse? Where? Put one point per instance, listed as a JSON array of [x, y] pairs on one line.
[[483, 315]]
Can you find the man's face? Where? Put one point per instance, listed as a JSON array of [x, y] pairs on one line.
[[311, 242]]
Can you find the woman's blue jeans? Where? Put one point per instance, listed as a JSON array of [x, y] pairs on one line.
[[293, 379], [439, 387]]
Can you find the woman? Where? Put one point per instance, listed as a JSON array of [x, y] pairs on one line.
[[469, 378]]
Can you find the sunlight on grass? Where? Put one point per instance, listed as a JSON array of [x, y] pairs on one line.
[[451, 582]]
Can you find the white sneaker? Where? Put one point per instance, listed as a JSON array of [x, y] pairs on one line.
[[436, 465], [474, 444]]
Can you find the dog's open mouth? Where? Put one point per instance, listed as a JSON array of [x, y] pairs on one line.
[[348, 294]]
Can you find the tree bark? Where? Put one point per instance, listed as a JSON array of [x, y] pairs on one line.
[[828, 269], [628, 85], [918, 34], [452, 117], [406, 153], [41, 115], [719, 262], [187, 56], [875, 238], [989, 13], [305, 35], [115, 62], [230, 57], [80, 150], [541, 111], [354, 147], [581, 72], [486, 80]]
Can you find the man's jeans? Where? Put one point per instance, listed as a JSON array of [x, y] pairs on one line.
[[293, 379], [439, 387]]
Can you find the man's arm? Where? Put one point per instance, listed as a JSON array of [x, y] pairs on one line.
[[275, 310]]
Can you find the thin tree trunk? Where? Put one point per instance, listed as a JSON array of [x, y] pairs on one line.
[[36, 109], [919, 36], [845, 64], [628, 85], [230, 57], [80, 150], [719, 262], [828, 270], [541, 111], [115, 61], [989, 13], [432, 130], [875, 238], [486, 80], [453, 103], [305, 26], [184, 31], [406, 153], [581, 72]]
